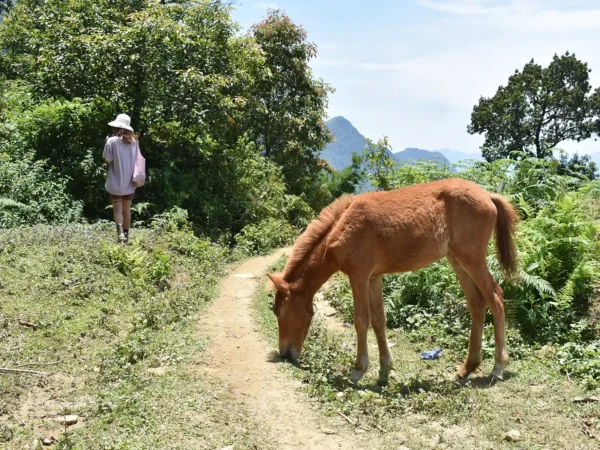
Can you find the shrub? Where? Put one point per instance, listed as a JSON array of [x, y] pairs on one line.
[[264, 236]]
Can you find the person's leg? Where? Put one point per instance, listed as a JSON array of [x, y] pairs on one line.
[[118, 216], [126, 217]]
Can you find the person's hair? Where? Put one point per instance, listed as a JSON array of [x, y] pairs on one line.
[[129, 137]]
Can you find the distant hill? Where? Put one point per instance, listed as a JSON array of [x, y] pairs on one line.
[[417, 153], [349, 140], [453, 156]]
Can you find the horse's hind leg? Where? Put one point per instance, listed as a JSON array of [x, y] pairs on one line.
[[360, 292], [378, 323], [476, 305], [494, 297]]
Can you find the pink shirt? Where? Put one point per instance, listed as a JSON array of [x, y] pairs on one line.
[[120, 172]]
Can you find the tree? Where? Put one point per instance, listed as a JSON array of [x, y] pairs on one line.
[[539, 108], [183, 73], [5, 6], [288, 103], [577, 165]]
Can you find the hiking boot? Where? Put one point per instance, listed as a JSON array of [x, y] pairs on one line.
[[121, 239], [126, 233]]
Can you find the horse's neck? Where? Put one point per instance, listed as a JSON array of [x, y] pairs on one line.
[[319, 270]]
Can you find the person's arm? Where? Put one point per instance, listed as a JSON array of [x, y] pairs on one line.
[[108, 152]]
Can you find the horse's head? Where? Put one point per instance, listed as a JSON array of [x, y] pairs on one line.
[[294, 312]]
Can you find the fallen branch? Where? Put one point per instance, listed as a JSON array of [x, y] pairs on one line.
[[29, 372], [350, 421], [28, 324], [40, 364]]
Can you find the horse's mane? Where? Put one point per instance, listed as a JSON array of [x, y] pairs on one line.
[[314, 233]]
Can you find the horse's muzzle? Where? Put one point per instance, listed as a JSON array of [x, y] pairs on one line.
[[289, 352]]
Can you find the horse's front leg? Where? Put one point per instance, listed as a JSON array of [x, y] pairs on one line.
[[360, 292]]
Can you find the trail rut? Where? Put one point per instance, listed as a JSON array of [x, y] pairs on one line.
[[239, 356]]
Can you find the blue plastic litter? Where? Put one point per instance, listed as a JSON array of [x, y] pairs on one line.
[[431, 354]]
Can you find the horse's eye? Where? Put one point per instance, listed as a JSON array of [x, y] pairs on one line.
[[277, 313]]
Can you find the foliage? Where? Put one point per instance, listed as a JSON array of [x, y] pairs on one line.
[[257, 239], [581, 360], [289, 103], [5, 6], [30, 193], [539, 108], [577, 165], [205, 100]]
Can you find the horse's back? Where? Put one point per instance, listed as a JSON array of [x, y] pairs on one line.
[[410, 228]]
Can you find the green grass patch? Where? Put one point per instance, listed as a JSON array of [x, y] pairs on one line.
[[117, 325]]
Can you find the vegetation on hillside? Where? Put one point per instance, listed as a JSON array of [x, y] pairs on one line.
[[231, 124]]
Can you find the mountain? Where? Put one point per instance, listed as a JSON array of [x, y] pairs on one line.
[[453, 156], [349, 140], [417, 153]]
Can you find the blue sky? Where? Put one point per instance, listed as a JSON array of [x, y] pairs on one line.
[[413, 69]]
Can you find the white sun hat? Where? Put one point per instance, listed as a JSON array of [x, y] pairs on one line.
[[122, 121]]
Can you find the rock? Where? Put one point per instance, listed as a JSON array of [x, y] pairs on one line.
[[401, 439], [37, 445], [6, 433], [327, 431], [547, 350], [67, 420], [47, 441], [513, 436]]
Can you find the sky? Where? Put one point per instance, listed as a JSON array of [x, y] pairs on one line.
[[412, 70]]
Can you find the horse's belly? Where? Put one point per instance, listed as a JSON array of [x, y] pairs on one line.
[[406, 256]]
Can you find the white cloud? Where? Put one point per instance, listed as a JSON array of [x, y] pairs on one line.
[[463, 7], [266, 6], [561, 16]]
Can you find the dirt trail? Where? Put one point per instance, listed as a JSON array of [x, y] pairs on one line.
[[239, 356]]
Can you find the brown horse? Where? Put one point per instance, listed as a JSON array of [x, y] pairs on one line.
[[376, 233]]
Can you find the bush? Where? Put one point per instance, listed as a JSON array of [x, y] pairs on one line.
[[266, 235], [30, 194]]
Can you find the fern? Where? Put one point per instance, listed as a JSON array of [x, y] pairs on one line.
[[7, 203]]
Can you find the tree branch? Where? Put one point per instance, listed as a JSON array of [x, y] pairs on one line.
[[23, 371]]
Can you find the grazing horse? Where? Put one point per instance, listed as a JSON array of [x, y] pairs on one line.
[[376, 233]]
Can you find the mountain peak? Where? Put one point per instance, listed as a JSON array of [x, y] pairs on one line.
[[349, 140]]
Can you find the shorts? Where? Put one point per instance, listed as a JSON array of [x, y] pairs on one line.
[[118, 198]]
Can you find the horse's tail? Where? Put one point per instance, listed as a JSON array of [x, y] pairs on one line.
[[506, 224]]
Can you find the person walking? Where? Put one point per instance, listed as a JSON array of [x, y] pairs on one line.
[[120, 155]]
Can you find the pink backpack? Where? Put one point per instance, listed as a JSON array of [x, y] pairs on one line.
[[139, 169]]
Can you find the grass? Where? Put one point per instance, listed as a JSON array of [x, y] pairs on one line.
[[424, 408], [118, 327]]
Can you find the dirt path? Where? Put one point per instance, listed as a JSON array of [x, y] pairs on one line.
[[239, 356]]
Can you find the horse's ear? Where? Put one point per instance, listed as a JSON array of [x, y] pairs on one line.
[[277, 282]]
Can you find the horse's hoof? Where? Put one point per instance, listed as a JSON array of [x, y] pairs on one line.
[[384, 377], [461, 374], [498, 373], [355, 376]]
